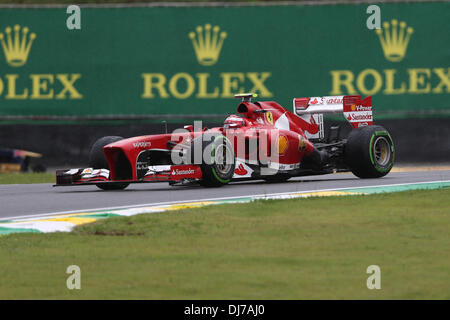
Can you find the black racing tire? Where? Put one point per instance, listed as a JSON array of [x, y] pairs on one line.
[[97, 160], [369, 152], [277, 178], [216, 173]]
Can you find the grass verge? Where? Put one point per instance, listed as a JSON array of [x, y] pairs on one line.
[[316, 248], [22, 178]]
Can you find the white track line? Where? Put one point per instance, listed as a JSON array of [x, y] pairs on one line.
[[26, 217]]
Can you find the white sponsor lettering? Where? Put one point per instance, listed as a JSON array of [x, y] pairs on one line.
[[358, 116], [362, 108], [177, 172], [142, 144], [361, 117]]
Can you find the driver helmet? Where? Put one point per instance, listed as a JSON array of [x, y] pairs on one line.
[[233, 122]]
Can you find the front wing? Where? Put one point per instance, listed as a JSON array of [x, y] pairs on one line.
[[89, 176]]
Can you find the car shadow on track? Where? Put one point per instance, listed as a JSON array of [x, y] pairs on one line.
[[259, 182], [130, 189], [192, 187]]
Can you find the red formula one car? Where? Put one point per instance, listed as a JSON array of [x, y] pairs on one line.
[[265, 141]]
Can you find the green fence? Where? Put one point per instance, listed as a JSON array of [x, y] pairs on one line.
[[189, 61]]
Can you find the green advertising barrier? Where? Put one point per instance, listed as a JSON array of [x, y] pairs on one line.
[[181, 62]]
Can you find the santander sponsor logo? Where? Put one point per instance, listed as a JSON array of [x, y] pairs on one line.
[[240, 170], [177, 172], [314, 101], [334, 100], [360, 117]]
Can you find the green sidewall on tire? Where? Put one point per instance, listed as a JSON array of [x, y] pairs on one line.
[[372, 155], [369, 152], [210, 174]]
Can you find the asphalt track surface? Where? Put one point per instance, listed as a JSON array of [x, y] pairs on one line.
[[32, 199]]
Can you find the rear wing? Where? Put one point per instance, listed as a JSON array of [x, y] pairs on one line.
[[357, 112]]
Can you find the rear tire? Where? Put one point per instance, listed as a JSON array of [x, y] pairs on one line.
[[97, 160], [369, 152]]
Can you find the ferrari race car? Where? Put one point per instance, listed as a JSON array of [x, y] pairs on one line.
[[265, 141]]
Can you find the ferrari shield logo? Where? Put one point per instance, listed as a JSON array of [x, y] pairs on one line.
[[269, 117]]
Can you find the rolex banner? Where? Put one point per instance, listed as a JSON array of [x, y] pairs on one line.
[[173, 62]]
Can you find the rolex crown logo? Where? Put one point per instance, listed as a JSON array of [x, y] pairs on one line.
[[394, 40], [207, 43], [16, 47]]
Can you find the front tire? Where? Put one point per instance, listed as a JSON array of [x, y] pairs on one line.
[[369, 152], [218, 170], [97, 160]]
